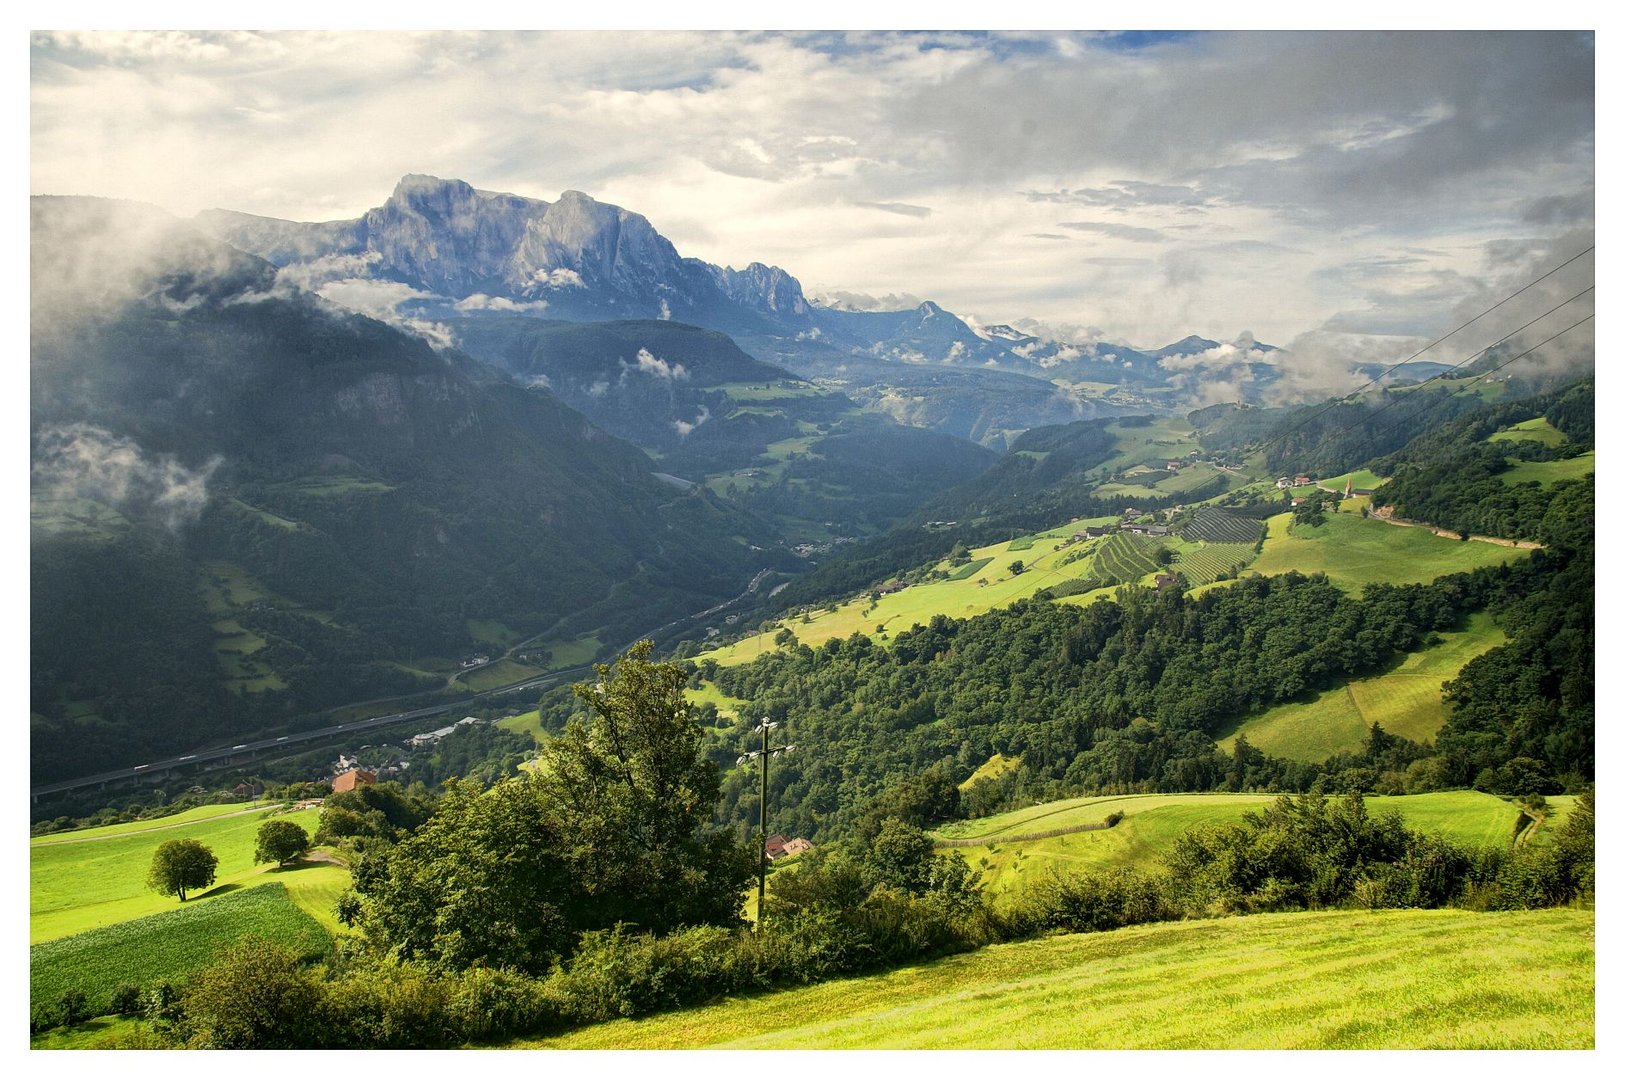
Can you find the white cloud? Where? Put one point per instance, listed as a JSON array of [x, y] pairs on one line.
[[381, 300], [87, 462], [559, 277], [482, 302], [684, 427], [650, 364], [885, 162]]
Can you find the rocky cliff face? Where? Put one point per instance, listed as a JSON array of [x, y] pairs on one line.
[[577, 257]]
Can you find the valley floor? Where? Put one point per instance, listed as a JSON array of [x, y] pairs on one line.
[[1331, 979]]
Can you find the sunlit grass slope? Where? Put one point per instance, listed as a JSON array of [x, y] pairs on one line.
[[993, 586], [1550, 472], [1152, 823], [1537, 430], [1354, 552], [1406, 701], [80, 886], [1445, 979]]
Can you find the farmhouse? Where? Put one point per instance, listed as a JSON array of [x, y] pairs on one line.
[[476, 661], [797, 847], [1167, 581], [775, 846], [352, 779], [1092, 532], [891, 587], [428, 737], [1147, 530]]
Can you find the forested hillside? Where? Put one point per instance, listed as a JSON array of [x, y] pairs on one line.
[[248, 505]]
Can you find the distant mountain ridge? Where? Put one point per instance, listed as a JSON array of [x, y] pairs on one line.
[[576, 258]]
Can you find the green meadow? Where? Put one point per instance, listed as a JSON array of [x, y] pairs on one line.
[[501, 673], [993, 586], [1152, 823], [1537, 430], [1354, 552], [1406, 701], [530, 723], [79, 883], [1331, 979], [168, 945], [727, 707], [1550, 472]]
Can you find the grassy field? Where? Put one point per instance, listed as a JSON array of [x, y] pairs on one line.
[[726, 706], [529, 722], [1364, 479], [1405, 701], [167, 945], [571, 652], [1537, 430], [1162, 440], [492, 632], [79, 886], [1549, 472], [991, 769], [1152, 823], [1445, 979], [498, 674], [994, 586], [1353, 552]]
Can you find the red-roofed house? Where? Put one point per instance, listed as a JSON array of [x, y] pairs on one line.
[[354, 778]]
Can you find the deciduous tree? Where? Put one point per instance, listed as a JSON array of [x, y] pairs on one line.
[[280, 841], [180, 865]]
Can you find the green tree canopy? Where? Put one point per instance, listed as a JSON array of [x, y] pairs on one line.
[[179, 865], [630, 786], [280, 841], [613, 827]]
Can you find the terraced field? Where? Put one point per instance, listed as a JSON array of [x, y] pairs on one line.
[[1127, 557], [1331, 979], [1208, 561], [1218, 527]]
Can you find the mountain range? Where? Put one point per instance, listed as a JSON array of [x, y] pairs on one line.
[[461, 252]]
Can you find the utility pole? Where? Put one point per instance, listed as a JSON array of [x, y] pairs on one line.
[[764, 753]]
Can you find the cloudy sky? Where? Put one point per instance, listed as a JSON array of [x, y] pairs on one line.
[[1339, 191]]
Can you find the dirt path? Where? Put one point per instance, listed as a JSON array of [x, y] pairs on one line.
[[1526, 545]]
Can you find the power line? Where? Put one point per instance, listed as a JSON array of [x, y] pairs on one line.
[[1376, 378], [1485, 374], [1432, 378]]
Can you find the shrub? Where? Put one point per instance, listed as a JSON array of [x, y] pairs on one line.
[[125, 1000], [256, 996], [615, 973], [1106, 900]]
